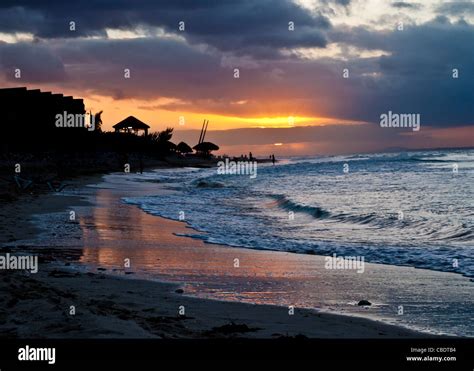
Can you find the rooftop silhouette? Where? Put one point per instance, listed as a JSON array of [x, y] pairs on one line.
[[131, 124]]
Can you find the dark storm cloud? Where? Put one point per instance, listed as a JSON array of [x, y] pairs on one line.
[[158, 67], [237, 26], [19, 19], [36, 63], [403, 5], [414, 77], [456, 8], [336, 2], [343, 2]]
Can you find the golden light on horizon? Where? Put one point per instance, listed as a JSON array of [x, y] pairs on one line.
[[158, 117], [278, 144], [158, 114], [277, 122]]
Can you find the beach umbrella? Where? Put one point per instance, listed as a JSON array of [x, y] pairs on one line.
[[170, 146], [206, 147], [184, 148]]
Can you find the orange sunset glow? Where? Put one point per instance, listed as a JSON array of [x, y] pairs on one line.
[[327, 75]]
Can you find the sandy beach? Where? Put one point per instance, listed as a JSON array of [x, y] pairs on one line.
[[82, 265]]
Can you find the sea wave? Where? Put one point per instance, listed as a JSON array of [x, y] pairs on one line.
[[287, 204], [459, 232], [203, 183], [354, 213]]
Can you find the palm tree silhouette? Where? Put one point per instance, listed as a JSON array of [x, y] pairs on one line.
[[98, 121]]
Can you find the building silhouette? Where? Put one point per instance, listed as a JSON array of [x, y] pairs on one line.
[[131, 125], [29, 117]]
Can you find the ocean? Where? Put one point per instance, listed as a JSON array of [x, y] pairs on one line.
[[410, 208]]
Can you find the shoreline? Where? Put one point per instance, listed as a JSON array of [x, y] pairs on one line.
[[122, 307], [105, 311], [223, 244]]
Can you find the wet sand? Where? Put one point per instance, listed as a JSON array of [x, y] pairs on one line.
[[83, 265]]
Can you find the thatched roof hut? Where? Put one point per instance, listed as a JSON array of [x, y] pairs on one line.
[[131, 125], [184, 148], [205, 148]]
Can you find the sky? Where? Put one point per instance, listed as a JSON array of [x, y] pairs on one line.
[[290, 77]]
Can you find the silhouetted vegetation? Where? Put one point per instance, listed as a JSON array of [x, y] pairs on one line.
[[49, 133], [74, 150], [81, 140]]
